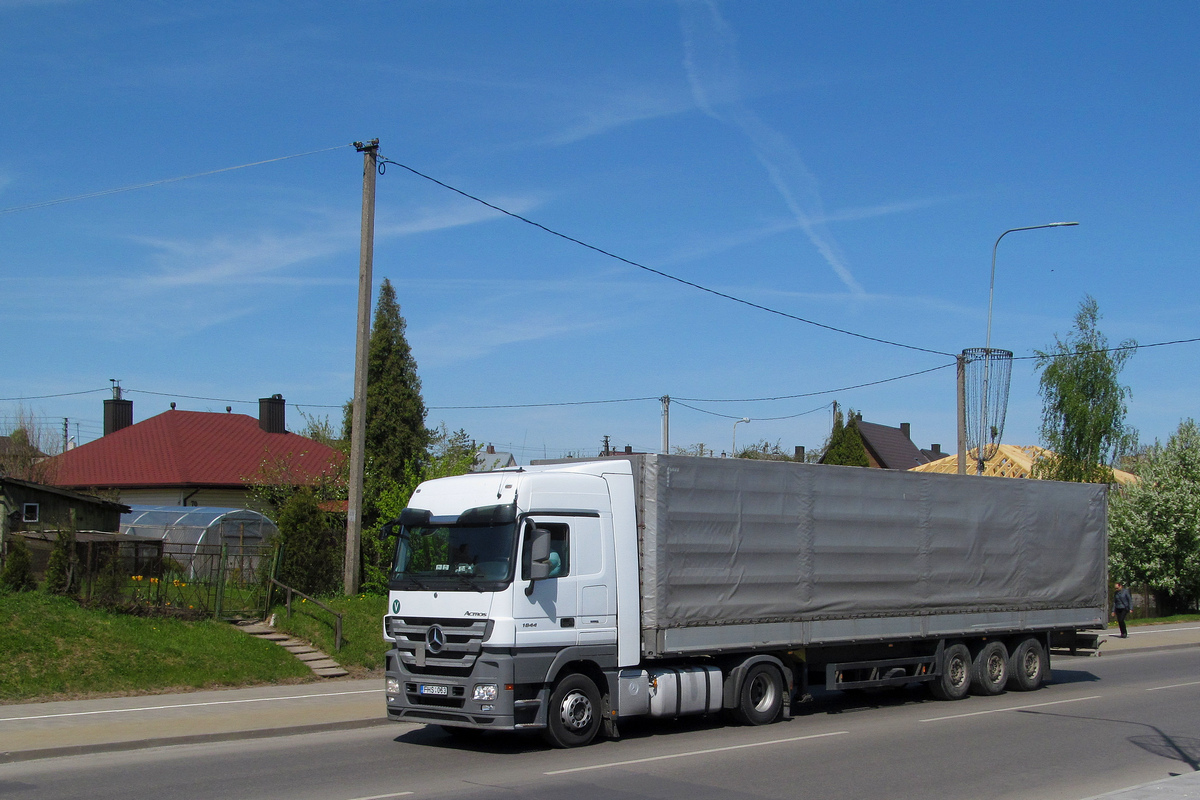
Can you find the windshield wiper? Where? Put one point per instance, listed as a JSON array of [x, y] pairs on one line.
[[416, 581], [469, 580]]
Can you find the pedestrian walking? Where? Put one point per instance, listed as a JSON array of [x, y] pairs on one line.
[[1122, 605]]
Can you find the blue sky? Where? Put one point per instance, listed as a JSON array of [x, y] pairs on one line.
[[847, 163]]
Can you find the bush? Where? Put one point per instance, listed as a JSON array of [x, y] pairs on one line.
[[312, 550], [17, 575]]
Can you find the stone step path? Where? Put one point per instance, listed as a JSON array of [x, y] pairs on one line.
[[321, 664]]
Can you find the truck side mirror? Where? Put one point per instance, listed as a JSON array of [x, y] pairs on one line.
[[388, 529], [539, 550]]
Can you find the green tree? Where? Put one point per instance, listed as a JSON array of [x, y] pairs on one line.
[[311, 560], [764, 451], [395, 412], [1154, 524], [1083, 411], [845, 443], [17, 575], [449, 454]]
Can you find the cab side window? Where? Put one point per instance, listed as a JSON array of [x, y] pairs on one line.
[[560, 550]]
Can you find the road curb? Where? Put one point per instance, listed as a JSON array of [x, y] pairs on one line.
[[201, 738]]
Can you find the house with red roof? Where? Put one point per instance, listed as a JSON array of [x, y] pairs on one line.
[[193, 458]]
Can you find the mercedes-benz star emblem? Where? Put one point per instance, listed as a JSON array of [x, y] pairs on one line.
[[435, 639]]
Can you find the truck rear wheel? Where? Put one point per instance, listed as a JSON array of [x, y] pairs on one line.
[[1027, 666], [989, 669], [761, 697], [573, 718], [955, 680]]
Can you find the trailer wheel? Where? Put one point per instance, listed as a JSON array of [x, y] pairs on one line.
[[761, 697], [955, 680], [573, 718], [989, 670], [1027, 666]]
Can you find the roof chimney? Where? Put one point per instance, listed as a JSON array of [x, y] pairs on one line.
[[629, 449], [118, 413], [799, 452], [491, 451], [936, 449], [905, 428], [270, 414]]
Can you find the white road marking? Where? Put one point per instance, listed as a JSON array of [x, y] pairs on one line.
[[694, 753], [383, 796], [1012, 708], [1133, 630], [1174, 686], [188, 705]]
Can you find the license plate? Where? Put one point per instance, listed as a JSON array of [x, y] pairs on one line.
[[433, 688]]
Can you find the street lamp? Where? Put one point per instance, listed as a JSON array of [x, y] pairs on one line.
[[987, 350], [992, 282], [733, 452]]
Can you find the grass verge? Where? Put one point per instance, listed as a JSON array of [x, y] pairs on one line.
[[51, 648], [362, 628]]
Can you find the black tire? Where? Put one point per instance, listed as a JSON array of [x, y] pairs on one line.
[[1028, 666], [760, 699], [989, 669], [955, 681], [573, 717]]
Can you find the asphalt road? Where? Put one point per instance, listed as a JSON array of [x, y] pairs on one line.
[[1105, 724]]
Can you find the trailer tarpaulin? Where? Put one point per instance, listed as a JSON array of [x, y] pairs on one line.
[[733, 541]]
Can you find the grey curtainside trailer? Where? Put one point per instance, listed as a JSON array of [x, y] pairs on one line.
[[569, 597], [739, 554]]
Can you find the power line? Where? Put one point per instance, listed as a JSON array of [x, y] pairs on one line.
[[50, 396], [659, 272], [815, 394], [544, 405], [589, 402], [147, 185], [753, 419], [1086, 350]]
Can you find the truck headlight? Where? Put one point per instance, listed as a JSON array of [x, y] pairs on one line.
[[485, 691], [393, 686]]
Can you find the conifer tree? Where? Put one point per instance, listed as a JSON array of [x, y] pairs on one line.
[[396, 435], [845, 443]]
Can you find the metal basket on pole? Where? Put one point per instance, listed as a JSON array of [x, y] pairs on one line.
[[988, 373]]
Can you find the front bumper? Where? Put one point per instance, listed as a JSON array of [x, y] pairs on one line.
[[454, 702]]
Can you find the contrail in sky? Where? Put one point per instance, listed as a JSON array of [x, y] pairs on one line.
[[710, 60]]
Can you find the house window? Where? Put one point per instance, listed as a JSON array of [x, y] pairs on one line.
[[30, 513]]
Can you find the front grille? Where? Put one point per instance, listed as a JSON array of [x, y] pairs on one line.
[[464, 641]]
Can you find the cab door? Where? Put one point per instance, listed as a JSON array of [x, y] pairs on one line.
[[549, 616]]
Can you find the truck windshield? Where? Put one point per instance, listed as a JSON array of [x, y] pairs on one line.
[[454, 557]]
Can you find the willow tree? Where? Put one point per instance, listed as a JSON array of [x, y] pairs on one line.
[[1083, 402]]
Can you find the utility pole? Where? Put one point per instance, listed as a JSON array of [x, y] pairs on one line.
[[358, 419], [666, 418], [66, 433], [962, 413]]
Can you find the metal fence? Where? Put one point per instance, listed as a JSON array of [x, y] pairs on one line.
[[192, 580]]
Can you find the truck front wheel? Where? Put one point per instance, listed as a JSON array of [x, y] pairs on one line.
[[955, 680], [573, 717], [761, 697]]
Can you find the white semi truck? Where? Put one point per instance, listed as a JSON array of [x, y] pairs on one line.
[[568, 597]]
